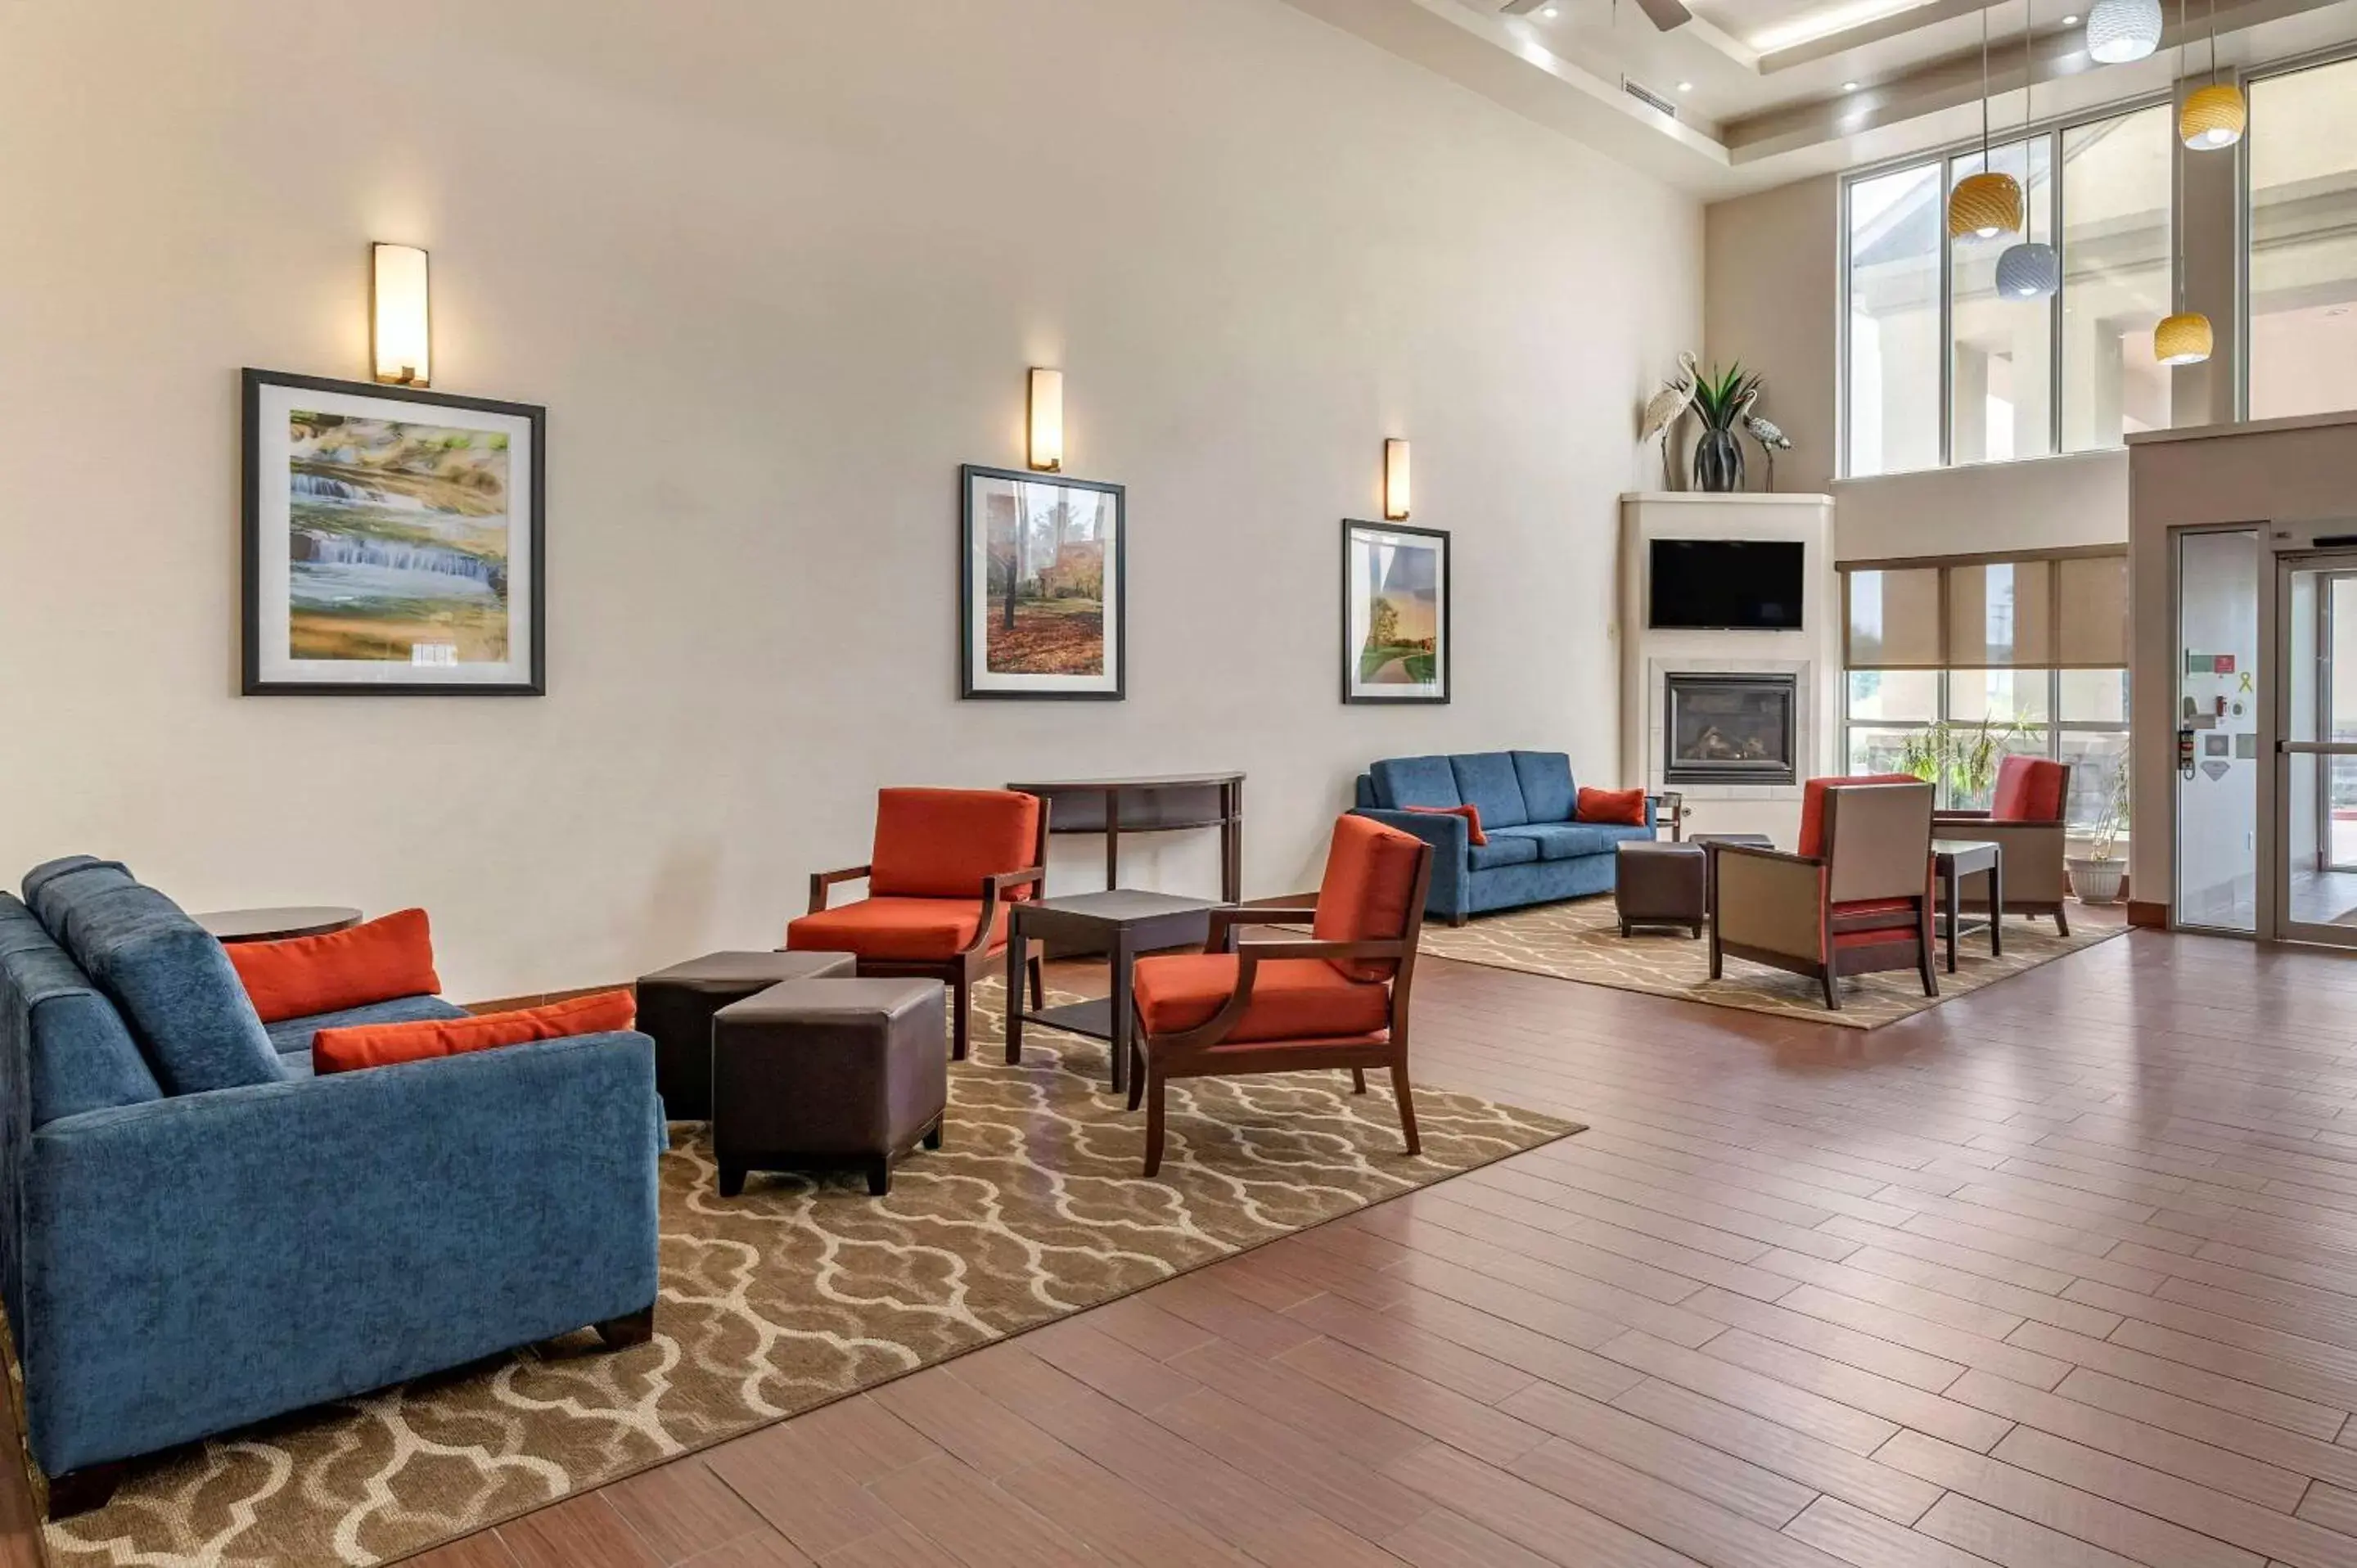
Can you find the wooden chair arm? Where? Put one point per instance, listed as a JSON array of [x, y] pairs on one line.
[[994, 890], [822, 880], [1960, 815], [1249, 957], [1758, 853], [1228, 917]]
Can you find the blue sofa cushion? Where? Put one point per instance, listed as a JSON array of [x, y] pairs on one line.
[[1569, 841], [1405, 782], [1545, 778], [291, 1037], [49, 887], [1502, 850], [168, 976], [1486, 780], [80, 1055]]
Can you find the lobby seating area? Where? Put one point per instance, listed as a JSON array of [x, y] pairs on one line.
[[1179, 784]]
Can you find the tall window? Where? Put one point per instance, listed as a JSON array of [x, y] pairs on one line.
[[1941, 368], [2029, 651], [2303, 234]]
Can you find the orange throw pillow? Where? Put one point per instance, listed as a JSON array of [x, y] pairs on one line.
[[1620, 808], [380, 1044], [375, 962], [1472, 815]]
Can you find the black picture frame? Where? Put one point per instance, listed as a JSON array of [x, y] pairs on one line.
[[534, 417], [973, 595], [1357, 693]]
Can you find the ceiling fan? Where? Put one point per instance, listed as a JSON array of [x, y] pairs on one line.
[[1665, 14]]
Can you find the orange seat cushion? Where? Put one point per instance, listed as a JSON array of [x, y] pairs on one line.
[[1292, 998], [381, 1045], [2029, 789], [1369, 886], [1813, 805], [940, 843], [378, 961], [1471, 813], [1620, 808], [904, 930]]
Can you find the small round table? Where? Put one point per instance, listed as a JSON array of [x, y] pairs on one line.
[[277, 925]]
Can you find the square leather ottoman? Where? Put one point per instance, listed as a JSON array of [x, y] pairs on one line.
[[676, 1005], [1657, 884], [828, 1072]]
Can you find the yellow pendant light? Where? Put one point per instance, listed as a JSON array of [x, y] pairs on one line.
[[1986, 204], [2213, 116], [2184, 337]]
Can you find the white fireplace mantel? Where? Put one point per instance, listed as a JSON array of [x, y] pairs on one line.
[[1813, 654]]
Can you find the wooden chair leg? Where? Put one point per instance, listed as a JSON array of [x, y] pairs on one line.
[[1832, 983], [2061, 923], [1137, 1076], [1717, 958], [1406, 1108], [961, 1018], [1154, 1097], [1358, 1080]]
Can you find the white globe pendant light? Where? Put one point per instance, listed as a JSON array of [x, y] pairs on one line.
[[2122, 30], [2031, 270]]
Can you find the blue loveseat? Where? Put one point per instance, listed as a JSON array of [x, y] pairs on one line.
[[1537, 853], [196, 1233]]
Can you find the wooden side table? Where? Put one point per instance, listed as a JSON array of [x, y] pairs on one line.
[[278, 924], [1170, 802], [1121, 924], [1955, 859]]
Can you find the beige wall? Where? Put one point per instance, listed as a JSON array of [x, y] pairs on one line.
[[776, 270], [2049, 503], [1773, 300]]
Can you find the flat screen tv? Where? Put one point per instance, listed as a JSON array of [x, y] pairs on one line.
[[1726, 585]]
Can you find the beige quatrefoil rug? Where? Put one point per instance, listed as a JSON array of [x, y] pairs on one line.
[[802, 1291], [1581, 940]]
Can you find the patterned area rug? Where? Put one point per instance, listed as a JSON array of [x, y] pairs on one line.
[[1581, 940], [802, 1291]]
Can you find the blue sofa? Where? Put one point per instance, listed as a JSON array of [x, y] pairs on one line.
[[1537, 853], [197, 1234]]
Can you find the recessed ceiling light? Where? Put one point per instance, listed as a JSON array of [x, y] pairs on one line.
[[1685, 87], [1550, 12], [1849, 87], [2070, 21]]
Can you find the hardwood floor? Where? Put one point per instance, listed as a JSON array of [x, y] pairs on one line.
[[2063, 1272]]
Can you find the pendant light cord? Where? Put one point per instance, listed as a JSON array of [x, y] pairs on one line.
[[1985, 90], [2176, 156]]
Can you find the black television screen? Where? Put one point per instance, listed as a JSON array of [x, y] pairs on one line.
[[1743, 585]]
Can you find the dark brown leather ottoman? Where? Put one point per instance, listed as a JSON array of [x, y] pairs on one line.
[[1657, 884], [828, 1072], [676, 1005]]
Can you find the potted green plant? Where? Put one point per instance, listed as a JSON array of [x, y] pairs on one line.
[[1963, 757], [2096, 875], [1720, 404]]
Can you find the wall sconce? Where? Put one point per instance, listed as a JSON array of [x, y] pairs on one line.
[[1396, 497], [1047, 421], [400, 341]]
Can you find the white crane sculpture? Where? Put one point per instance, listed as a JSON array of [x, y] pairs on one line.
[[1667, 407], [1772, 440]]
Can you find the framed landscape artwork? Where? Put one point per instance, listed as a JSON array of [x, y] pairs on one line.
[[1040, 586], [394, 541], [1396, 625]]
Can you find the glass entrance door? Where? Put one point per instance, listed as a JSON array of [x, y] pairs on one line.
[[2315, 774], [2220, 602]]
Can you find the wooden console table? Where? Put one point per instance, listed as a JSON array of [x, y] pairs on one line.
[[1165, 803]]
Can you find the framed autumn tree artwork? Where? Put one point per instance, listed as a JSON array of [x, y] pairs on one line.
[[1042, 586], [1395, 627]]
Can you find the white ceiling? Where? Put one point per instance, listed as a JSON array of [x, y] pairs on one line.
[[1771, 91]]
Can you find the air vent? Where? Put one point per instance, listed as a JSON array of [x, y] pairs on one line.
[[1649, 98]]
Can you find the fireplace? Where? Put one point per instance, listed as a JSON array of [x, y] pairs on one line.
[[1730, 729]]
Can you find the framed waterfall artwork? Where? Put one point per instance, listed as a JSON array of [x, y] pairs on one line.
[[394, 541], [1396, 627], [1042, 587]]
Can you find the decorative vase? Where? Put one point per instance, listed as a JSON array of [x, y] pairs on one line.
[[1718, 463], [2096, 881]]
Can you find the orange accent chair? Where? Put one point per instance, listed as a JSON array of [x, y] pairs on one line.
[[2026, 815], [1857, 899], [1338, 1000], [947, 863]]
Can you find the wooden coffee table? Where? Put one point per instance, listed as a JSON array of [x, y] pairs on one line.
[[278, 924], [1121, 923], [1956, 859]]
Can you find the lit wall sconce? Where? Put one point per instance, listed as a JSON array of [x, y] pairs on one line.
[[1396, 496], [400, 341], [1047, 421]]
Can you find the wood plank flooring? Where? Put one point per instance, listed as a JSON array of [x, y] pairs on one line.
[[2063, 1272]]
